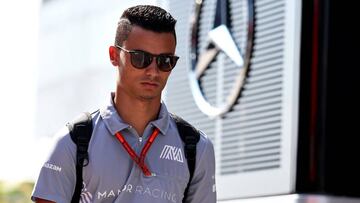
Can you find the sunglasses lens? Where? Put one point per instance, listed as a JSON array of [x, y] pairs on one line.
[[140, 59], [166, 62]]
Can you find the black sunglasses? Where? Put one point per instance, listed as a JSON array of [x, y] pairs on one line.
[[142, 59]]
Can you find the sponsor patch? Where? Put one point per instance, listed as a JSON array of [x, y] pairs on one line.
[[172, 153], [52, 167]]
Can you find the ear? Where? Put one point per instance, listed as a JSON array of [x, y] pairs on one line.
[[114, 56]]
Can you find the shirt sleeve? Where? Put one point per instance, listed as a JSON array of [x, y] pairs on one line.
[[56, 181], [202, 187]]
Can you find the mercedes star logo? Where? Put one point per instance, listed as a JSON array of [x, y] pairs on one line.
[[219, 40]]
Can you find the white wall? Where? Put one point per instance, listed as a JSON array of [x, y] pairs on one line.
[[54, 64], [18, 59], [75, 73]]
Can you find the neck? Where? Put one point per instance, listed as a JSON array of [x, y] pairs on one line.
[[137, 112]]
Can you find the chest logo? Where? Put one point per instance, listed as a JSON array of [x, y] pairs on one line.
[[86, 196], [172, 153]]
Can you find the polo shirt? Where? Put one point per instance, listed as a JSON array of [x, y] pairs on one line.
[[112, 176]]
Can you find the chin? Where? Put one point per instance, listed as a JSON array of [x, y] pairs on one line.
[[149, 97]]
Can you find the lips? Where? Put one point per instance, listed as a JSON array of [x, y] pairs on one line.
[[150, 84]]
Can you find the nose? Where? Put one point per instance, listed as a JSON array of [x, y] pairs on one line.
[[153, 69]]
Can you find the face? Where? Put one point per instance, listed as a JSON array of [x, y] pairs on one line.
[[147, 83]]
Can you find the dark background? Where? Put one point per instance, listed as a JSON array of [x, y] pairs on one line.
[[329, 147]]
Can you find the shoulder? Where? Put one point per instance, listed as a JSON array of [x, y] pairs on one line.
[[62, 142], [204, 144], [62, 137], [85, 118]]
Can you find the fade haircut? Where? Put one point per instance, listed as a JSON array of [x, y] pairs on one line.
[[149, 17]]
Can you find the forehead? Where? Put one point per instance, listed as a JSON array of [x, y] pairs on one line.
[[153, 42]]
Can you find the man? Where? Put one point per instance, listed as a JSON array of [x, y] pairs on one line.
[[144, 56]]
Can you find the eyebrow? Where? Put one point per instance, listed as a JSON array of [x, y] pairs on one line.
[[152, 53]]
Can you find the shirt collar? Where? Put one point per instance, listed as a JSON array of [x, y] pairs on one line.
[[114, 122], [163, 120], [111, 118]]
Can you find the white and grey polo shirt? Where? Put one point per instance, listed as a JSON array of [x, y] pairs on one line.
[[112, 176]]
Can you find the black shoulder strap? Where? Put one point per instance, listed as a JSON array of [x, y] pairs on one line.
[[80, 131], [190, 136]]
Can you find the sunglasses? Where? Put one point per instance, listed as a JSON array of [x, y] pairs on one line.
[[142, 59]]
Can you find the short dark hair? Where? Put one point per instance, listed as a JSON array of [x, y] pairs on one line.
[[149, 17]]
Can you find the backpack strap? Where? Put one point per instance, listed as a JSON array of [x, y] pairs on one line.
[[190, 136], [80, 131]]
